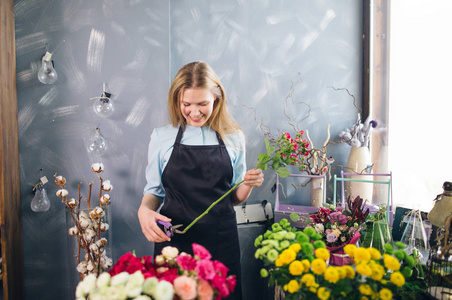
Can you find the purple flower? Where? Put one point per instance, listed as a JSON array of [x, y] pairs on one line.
[[343, 219], [331, 238]]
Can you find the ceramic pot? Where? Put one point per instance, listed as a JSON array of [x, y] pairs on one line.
[[358, 160]]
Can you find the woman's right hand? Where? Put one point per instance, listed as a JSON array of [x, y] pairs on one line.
[[148, 220]]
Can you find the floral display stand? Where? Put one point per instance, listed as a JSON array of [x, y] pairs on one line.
[[361, 179], [282, 211]]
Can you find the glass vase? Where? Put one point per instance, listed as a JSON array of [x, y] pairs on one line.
[[377, 235], [86, 254]]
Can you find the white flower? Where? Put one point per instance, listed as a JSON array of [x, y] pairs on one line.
[[97, 167], [104, 227], [132, 291], [82, 267], [150, 285], [89, 282], [105, 199], [60, 180], [101, 243], [73, 230], [159, 260], [170, 252], [94, 248], [62, 193], [90, 266], [72, 203], [103, 280], [97, 213], [106, 262], [89, 235], [164, 291], [119, 279], [106, 186], [142, 297], [116, 292], [319, 228]]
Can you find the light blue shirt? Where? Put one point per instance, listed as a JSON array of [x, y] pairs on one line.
[[161, 147]]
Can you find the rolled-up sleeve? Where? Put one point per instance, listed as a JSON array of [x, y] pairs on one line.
[[154, 168]]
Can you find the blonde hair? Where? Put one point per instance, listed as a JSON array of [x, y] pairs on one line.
[[200, 75]]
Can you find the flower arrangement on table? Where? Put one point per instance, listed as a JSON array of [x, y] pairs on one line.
[[88, 226], [294, 151], [171, 276], [296, 261], [340, 226]]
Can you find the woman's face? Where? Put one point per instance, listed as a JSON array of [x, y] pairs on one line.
[[196, 105]]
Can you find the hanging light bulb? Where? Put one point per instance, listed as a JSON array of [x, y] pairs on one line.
[[40, 202], [47, 73], [103, 105], [97, 144]]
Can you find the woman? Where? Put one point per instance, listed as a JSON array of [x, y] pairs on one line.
[[193, 162]]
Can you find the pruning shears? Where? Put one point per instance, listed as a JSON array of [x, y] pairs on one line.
[[170, 230]]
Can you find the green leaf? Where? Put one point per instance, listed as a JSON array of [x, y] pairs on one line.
[[263, 157], [283, 172], [267, 144]]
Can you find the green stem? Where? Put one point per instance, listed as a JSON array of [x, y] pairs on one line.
[[210, 207]]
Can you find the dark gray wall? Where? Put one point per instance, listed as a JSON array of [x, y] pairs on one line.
[[258, 48]]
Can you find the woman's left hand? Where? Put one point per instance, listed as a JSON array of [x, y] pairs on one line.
[[254, 178]]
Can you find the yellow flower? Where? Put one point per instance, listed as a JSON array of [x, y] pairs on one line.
[[385, 294], [397, 278], [349, 272], [350, 249], [391, 262], [318, 266], [306, 264], [365, 289], [323, 293], [374, 253], [332, 274], [364, 298], [296, 268], [293, 286], [362, 255], [364, 269], [308, 280], [322, 253], [342, 272], [295, 247], [287, 256], [378, 271], [279, 262]]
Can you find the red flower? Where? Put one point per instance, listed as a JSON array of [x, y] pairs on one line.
[[220, 268], [231, 281], [219, 283], [169, 275], [186, 262]]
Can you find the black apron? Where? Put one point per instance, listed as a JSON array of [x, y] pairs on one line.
[[195, 177]]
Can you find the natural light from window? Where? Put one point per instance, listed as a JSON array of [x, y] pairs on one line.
[[420, 103]]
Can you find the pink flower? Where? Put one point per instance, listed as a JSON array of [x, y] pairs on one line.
[[185, 287], [205, 290], [186, 262], [287, 135], [220, 268], [220, 284], [328, 231], [201, 252], [205, 269], [231, 281], [301, 132]]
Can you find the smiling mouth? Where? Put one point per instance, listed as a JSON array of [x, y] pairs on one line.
[[196, 119]]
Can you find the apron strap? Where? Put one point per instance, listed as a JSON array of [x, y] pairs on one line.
[[180, 133]]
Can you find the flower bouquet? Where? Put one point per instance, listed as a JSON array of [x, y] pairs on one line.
[[89, 225], [294, 151], [339, 227], [296, 262], [172, 276]]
